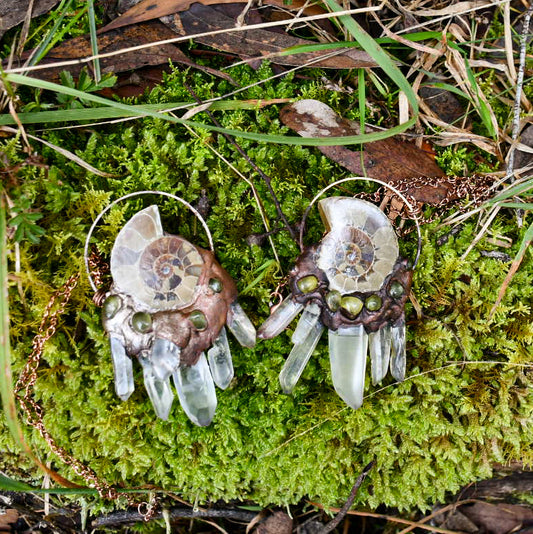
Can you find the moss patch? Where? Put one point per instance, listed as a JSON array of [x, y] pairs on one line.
[[442, 428]]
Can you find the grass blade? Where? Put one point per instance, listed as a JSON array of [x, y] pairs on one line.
[[526, 241], [94, 114], [369, 45], [266, 138], [6, 377], [46, 44], [94, 39], [8, 484]]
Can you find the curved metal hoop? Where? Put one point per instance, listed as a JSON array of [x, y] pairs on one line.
[[136, 194], [364, 178]]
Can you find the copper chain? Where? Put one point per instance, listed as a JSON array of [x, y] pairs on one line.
[[34, 412]]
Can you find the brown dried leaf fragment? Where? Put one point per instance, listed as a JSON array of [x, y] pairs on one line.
[[390, 160], [152, 9], [13, 12], [114, 40], [257, 43]]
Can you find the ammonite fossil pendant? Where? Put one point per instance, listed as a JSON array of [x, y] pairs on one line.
[[168, 305], [355, 284]]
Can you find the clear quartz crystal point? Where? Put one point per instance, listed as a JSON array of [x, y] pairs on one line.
[[398, 359], [241, 326], [379, 348], [123, 369], [280, 319], [159, 391], [196, 391], [165, 358], [347, 354], [220, 363], [305, 337]]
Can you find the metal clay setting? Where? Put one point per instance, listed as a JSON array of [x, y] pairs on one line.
[[168, 305], [355, 284]]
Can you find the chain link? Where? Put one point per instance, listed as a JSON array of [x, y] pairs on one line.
[[34, 412]]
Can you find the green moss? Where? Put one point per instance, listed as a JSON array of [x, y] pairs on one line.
[[442, 428]]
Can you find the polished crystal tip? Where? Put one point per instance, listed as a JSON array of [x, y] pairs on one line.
[[219, 356], [305, 338], [398, 359], [241, 326], [347, 353], [165, 358], [380, 349], [196, 391], [158, 390], [280, 319], [122, 368]]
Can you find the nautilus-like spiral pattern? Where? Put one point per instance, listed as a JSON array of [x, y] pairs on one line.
[[159, 271], [168, 306], [361, 248], [354, 284]]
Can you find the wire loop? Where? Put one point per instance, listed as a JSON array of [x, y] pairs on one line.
[[130, 195], [364, 178]]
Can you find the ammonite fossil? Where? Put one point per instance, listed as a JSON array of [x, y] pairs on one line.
[[355, 284], [167, 306]]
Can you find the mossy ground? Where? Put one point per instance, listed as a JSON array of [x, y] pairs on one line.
[[444, 427]]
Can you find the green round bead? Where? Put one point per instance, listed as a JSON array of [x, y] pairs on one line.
[[333, 300], [198, 319], [111, 306], [142, 322], [373, 303], [352, 305], [215, 284], [307, 283], [396, 290]]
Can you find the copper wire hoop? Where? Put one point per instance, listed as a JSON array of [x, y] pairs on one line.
[[136, 194], [364, 178]]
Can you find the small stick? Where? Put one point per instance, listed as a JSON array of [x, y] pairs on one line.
[[518, 96], [348, 504], [118, 518], [259, 171]]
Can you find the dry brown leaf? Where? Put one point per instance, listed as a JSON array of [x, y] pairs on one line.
[[389, 160], [257, 43], [152, 9], [13, 12], [277, 523], [118, 39], [7, 519], [454, 8], [498, 518]]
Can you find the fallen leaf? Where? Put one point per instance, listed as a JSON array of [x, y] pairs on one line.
[[13, 12], [118, 39], [444, 104], [8, 518], [152, 9], [257, 43], [277, 523], [498, 518], [389, 160]]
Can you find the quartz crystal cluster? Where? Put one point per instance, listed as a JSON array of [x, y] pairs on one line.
[[355, 284], [169, 304]]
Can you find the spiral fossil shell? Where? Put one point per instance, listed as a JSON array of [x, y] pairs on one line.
[[361, 247], [159, 271]]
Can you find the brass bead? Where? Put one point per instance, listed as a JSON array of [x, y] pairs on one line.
[[396, 290], [333, 300], [141, 322], [112, 304], [198, 319], [373, 303], [352, 305], [307, 284]]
